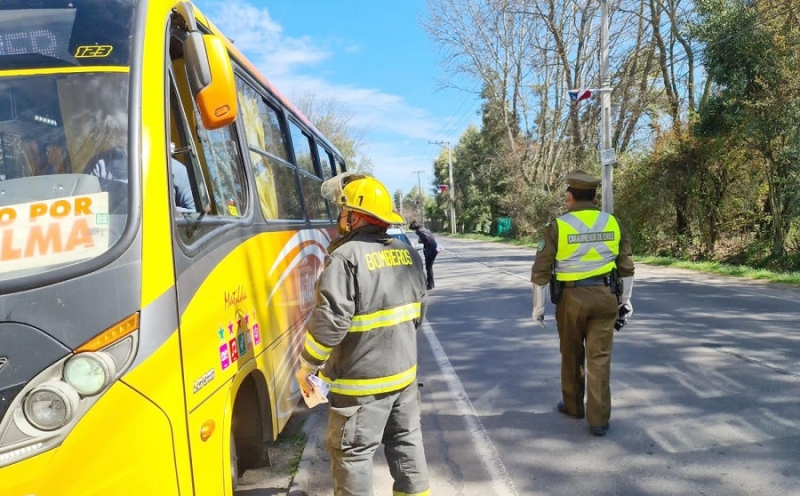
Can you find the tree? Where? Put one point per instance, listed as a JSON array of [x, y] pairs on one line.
[[333, 120], [752, 59]]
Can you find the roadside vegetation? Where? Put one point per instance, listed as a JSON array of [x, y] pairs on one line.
[[705, 121], [709, 267]]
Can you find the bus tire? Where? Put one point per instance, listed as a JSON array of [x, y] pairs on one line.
[[234, 463], [248, 427]]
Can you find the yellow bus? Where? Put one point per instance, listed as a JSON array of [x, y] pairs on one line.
[[161, 233]]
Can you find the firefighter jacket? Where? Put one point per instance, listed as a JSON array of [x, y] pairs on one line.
[[578, 245], [371, 300]]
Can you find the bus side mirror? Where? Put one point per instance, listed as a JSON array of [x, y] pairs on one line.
[[210, 72]]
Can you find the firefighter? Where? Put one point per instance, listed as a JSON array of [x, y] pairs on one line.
[[589, 257], [362, 338]]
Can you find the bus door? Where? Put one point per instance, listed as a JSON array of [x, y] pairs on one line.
[[216, 320]]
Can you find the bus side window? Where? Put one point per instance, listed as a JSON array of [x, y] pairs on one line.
[[340, 166], [310, 180], [189, 189], [275, 177], [217, 150], [325, 161]]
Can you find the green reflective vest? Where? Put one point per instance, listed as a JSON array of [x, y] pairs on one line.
[[588, 244]]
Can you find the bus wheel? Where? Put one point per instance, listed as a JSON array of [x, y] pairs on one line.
[[248, 429], [234, 463]]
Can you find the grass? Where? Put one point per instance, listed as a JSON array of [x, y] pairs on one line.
[[706, 267], [723, 269], [295, 442]]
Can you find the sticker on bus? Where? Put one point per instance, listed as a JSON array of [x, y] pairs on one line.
[[49, 232], [93, 51], [224, 357]]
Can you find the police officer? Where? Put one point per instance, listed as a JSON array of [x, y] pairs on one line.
[[371, 299], [581, 249]]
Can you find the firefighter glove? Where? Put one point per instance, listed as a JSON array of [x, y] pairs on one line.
[[306, 370]]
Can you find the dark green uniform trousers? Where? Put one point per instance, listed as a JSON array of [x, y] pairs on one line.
[[585, 317], [358, 425]]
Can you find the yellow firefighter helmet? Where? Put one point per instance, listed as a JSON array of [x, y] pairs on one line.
[[363, 194]]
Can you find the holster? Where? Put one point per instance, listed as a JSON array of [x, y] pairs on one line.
[[615, 283], [555, 289]]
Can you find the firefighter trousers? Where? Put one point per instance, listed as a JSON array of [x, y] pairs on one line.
[[585, 318], [358, 425]]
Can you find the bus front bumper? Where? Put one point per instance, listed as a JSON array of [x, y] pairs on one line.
[[122, 446]]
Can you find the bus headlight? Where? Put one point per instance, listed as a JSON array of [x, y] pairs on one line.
[[50, 406], [89, 373]]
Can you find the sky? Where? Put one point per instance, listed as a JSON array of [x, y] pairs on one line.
[[373, 57]]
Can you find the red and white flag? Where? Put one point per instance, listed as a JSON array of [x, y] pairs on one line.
[[580, 94]]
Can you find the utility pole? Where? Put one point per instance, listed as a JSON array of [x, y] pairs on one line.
[[450, 187], [605, 114], [421, 202], [401, 205]]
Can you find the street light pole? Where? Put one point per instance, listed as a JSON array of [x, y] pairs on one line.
[[452, 190], [401, 205], [605, 112], [422, 201]]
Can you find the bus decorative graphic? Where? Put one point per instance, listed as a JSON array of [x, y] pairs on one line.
[[242, 337], [224, 357], [308, 279], [237, 296]]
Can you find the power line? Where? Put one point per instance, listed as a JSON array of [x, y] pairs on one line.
[[452, 117], [446, 130]]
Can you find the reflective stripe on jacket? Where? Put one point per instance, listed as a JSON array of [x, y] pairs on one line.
[[371, 300], [588, 244]]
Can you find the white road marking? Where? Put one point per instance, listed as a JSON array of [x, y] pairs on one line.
[[501, 482]]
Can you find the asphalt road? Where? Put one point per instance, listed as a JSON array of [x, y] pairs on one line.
[[705, 386]]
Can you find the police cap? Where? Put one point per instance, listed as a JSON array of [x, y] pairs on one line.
[[578, 179]]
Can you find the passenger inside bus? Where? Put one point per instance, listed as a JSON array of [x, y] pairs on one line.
[[33, 156], [111, 167], [53, 161], [56, 160]]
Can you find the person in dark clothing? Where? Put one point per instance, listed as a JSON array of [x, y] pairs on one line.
[[430, 249]]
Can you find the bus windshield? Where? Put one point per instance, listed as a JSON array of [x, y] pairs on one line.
[[64, 33], [63, 169]]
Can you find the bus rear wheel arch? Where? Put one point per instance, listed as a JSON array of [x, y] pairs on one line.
[[251, 427]]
